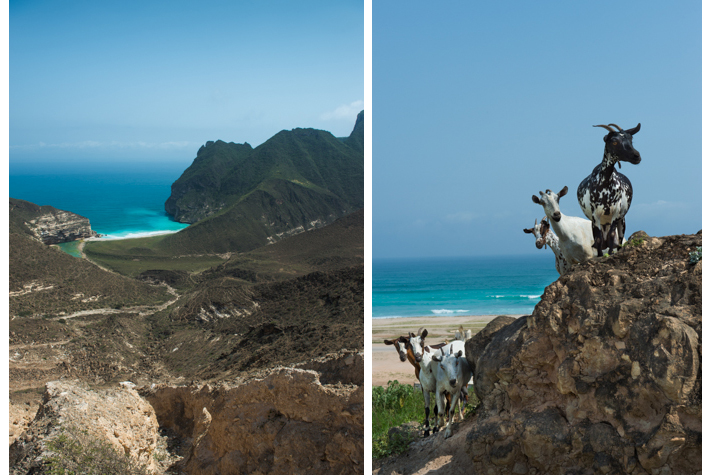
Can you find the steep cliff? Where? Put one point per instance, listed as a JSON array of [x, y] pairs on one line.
[[603, 377], [48, 224]]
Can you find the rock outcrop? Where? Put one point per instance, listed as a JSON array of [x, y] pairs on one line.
[[604, 376], [288, 422], [50, 225], [303, 419], [117, 416]]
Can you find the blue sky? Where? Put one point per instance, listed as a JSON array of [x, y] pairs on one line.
[[136, 82], [479, 105]]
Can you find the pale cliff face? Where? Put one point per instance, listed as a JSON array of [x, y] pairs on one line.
[[62, 226]]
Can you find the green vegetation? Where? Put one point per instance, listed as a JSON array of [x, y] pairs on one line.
[[399, 404], [132, 257], [697, 255], [76, 452], [391, 407]]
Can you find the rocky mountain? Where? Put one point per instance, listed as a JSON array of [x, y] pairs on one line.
[[239, 198], [603, 377], [47, 224]]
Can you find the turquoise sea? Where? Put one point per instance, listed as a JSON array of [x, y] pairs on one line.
[[120, 202], [501, 285]]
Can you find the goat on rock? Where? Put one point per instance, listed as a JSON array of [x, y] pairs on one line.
[[574, 233], [605, 195], [545, 237]]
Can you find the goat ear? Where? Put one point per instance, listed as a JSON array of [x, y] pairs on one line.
[[529, 231], [562, 192], [389, 342], [436, 358], [606, 137], [536, 199], [424, 334], [411, 335], [458, 355], [426, 348], [634, 130]]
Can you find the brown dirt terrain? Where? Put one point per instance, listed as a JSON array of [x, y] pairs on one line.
[[218, 327]]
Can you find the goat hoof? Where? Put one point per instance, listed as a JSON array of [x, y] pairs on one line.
[[426, 433], [435, 430], [447, 434]]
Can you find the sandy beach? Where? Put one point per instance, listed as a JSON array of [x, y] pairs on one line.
[[386, 365]]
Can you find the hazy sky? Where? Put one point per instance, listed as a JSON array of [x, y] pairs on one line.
[[137, 81], [479, 105]]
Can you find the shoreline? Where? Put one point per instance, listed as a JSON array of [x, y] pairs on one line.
[[386, 365]]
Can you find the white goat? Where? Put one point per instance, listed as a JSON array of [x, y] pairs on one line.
[[545, 237], [452, 375], [428, 374], [575, 234]]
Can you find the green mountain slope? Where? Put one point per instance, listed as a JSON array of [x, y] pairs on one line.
[[241, 198]]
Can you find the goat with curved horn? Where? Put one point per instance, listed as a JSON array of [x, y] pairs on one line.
[[605, 195]]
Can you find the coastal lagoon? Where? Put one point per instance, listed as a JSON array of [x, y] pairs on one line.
[[119, 203], [431, 287]]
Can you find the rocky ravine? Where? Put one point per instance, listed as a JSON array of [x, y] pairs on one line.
[[603, 377], [306, 418]]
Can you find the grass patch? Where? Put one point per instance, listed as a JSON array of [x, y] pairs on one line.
[[399, 404], [131, 258], [392, 406]]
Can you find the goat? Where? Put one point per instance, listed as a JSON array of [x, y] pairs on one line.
[[605, 195], [406, 352], [452, 375], [574, 234], [545, 237], [427, 374]]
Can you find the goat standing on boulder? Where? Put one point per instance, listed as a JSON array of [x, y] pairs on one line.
[[605, 195], [575, 234]]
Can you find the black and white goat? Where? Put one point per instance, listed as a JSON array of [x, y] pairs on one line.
[[605, 195]]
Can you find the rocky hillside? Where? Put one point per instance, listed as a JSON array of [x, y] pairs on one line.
[[241, 198], [603, 377], [47, 224]]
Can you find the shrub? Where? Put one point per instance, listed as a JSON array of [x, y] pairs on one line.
[[697, 255], [76, 452]]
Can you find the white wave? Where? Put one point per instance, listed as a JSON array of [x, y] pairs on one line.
[[446, 311], [114, 237]]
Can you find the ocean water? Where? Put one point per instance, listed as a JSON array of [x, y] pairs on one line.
[[501, 285], [120, 202]]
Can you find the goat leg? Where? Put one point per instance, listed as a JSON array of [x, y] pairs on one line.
[[597, 233], [427, 400]]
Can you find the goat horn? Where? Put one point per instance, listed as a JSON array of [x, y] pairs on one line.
[[620, 129], [606, 127], [419, 332], [535, 221]]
